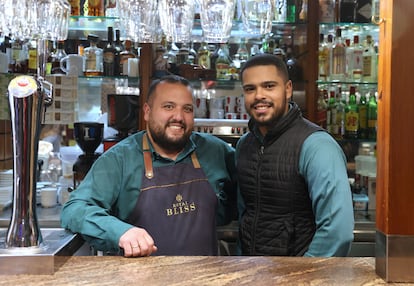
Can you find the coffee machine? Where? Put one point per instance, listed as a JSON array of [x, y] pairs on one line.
[[123, 110], [89, 136]]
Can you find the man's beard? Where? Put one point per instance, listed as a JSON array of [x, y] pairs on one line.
[[275, 116], [160, 137]]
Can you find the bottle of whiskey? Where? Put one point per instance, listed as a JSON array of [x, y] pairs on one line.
[[351, 115], [363, 119], [93, 57], [323, 59], [357, 59], [119, 47], [109, 55], [338, 63], [126, 54], [203, 56], [369, 71], [372, 116]]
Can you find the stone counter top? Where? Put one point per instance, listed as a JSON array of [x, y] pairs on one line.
[[206, 270]]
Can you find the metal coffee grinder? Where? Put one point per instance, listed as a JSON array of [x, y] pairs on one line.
[[89, 136]]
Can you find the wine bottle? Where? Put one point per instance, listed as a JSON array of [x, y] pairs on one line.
[[109, 54]]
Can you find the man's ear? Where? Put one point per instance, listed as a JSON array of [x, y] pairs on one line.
[[146, 109]]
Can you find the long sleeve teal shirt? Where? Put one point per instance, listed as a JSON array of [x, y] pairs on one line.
[[322, 164], [100, 205]]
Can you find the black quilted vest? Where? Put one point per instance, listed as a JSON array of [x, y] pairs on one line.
[[278, 219]]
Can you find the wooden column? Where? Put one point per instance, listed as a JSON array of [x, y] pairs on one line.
[[395, 143], [145, 72]]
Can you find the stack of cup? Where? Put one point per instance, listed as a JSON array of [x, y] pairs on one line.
[[216, 108], [241, 108], [230, 107]]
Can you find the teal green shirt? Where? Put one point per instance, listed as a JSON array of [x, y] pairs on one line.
[[100, 205]]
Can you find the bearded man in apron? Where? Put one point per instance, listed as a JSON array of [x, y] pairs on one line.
[[186, 186]]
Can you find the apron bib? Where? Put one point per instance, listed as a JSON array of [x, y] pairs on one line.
[[177, 207]]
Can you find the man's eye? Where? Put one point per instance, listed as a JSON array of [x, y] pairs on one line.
[[248, 89], [188, 109], [168, 106], [269, 85]]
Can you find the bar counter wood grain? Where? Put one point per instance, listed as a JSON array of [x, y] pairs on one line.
[[205, 270]]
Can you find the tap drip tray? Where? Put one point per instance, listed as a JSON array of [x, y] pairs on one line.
[[58, 244]]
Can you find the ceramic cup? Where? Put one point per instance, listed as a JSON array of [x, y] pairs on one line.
[[48, 197], [72, 65]]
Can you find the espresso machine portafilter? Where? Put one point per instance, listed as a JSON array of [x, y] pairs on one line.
[[27, 97]]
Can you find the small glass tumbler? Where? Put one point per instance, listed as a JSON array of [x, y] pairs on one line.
[[217, 19], [257, 15], [177, 18]]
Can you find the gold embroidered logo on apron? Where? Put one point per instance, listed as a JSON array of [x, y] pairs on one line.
[[180, 207]]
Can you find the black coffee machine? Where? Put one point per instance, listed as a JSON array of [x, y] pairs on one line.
[[123, 110], [89, 136]]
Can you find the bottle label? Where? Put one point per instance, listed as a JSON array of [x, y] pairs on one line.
[[109, 57], [351, 121]]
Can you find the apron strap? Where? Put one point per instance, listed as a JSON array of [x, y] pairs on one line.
[[196, 163], [149, 172]]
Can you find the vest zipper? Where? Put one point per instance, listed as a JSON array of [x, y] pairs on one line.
[[256, 217]]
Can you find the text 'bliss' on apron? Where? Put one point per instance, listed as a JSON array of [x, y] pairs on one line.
[[177, 207]]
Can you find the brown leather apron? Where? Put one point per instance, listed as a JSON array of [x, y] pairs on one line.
[[177, 206]]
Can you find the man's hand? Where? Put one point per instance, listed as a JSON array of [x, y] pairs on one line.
[[137, 242]]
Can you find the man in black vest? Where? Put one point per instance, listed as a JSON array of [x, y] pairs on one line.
[[295, 198]]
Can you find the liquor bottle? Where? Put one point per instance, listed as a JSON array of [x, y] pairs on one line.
[[56, 57], [33, 59], [323, 59], [74, 7], [290, 11], [372, 116], [111, 9], [126, 54], [223, 62], [109, 55], [369, 71], [351, 115], [93, 57], [303, 14], [280, 11], [321, 109], [363, 119], [331, 115], [340, 113], [203, 56], [119, 47], [96, 8], [357, 59], [243, 52], [338, 62]]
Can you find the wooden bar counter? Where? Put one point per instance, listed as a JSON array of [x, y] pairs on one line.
[[205, 270]]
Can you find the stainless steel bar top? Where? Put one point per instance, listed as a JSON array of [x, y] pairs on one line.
[[57, 245], [206, 270]]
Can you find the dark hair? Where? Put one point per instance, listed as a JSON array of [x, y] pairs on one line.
[[168, 79], [266, 60]]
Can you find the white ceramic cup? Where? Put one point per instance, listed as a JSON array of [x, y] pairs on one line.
[[72, 65], [4, 63], [48, 197]]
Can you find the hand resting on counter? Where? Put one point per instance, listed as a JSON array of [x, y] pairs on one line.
[[137, 242]]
